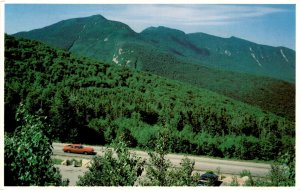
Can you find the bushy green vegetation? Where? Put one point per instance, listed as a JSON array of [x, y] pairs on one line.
[[160, 171], [118, 167], [87, 101], [282, 173], [110, 171], [28, 154]]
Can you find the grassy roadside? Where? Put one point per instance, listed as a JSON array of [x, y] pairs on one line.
[[56, 161]]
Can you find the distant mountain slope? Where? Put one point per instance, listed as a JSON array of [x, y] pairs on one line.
[[100, 38], [240, 55], [230, 66], [93, 36], [175, 41], [232, 54]]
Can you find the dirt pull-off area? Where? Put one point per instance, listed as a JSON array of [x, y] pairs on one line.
[[71, 172]]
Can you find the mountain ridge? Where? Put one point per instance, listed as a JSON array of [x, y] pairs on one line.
[[150, 27]]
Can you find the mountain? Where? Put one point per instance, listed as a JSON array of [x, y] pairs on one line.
[[93, 36], [175, 41], [86, 101], [231, 54], [240, 55], [260, 75], [103, 39]]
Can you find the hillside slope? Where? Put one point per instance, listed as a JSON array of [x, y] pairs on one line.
[[231, 54], [233, 67], [86, 101]]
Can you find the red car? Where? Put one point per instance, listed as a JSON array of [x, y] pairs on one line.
[[79, 149]]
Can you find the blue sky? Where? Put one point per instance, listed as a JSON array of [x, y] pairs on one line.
[[264, 24]]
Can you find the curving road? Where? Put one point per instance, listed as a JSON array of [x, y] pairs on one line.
[[201, 163]]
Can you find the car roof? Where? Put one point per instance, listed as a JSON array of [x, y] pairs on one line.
[[73, 145], [209, 175]]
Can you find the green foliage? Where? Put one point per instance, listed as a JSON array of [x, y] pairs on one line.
[[108, 170], [234, 182], [282, 173], [157, 170], [209, 172], [87, 101], [74, 162], [183, 176], [245, 173], [250, 181], [278, 175], [160, 171], [56, 161], [28, 154]]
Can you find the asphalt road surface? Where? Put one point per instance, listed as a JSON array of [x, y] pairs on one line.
[[201, 163]]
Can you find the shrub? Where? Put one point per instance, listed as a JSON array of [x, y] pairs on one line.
[[183, 176], [158, 164], [245, 173], [110, 171], [234, 182], [28, 154], [160, 171], [282, 173]]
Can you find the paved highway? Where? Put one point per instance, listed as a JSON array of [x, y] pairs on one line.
[[201, 163]]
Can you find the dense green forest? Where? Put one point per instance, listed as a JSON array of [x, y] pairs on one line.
[[86, 101], [267, 93]]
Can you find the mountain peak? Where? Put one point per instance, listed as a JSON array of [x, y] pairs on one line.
[[162, 29], [93, 18], [98, 16]]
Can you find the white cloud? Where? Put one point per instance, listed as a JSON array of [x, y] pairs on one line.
[[189, 15]]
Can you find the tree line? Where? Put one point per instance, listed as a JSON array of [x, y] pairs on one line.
[[28, 163]]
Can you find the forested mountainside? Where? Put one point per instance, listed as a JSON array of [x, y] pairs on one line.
[[97, 37], [87, 101], [230, 54], [259, 75]]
